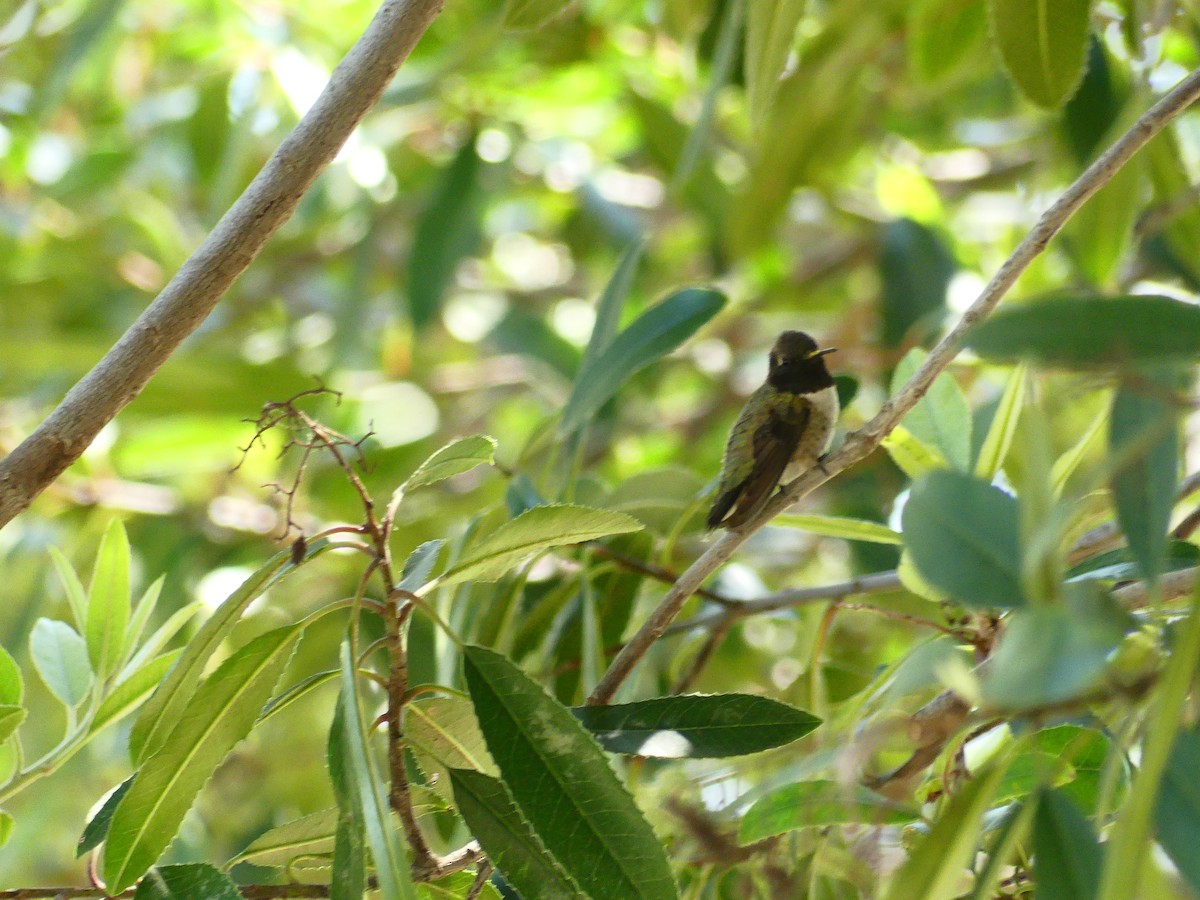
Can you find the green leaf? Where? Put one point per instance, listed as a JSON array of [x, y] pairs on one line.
[[611, 304], [696, 725], [507, 839], [12, 685], [108, 602], [445, 731], [1091, 332], [943, 35], [455, 458], [941, 418], [73, 587], [841, 527], [294, 692], [912, 455], [962, 535], [1177, 809], [563, 785], [219, 715], [7, 823], [916, 267], [654, 334], [420, 564], [816, 804], [934, 870], [1004, 425], [189, 881], [60, 656], [164, 708], [1067, 857], [1049, 654], [309, 835], [391, 862], [11, 717], [521, 15], [349, 862], [543, 526], [141, 614], [447, 231], [96, 829], [1042, 44], [1066, 465], [1144, 447], [770, 34], [128, 693], [161, 636]]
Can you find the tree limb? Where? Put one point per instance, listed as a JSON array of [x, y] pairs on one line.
[[861, 443], [190, 296]]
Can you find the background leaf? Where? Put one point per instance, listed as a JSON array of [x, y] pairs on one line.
[[1067, 856], [816, 804], [1042, 44]]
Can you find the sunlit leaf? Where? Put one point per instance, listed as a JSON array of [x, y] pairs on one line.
[[108, 602], [1042, 45], [444, 732], [941, 418], [770, 33], [816, 804], [1003, 428], [912, 455], [132, 689], [454, 459], [308, 835]]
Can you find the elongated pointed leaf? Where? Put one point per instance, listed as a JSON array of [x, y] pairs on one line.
[[507, 839], [455, 458], [941, 418], [73, 587], [108, 602], [533, 530], [1092, 332], [96, 829], [612, 303], [391, 862], [420, 564], [126, 695], [770, 34], [186, 882], [563, 785], [1177, 809], [696, 725], [841, 527], [12, 684], [815, 804], [1067, 857], [1042, 44], [446, 735], [650, 337], [219, 715], [1003, 428], [60, 656], [349, 838], [308, 835], [962, 535], [141, 614]]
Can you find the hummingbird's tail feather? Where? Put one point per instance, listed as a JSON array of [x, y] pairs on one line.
[[723, 505]]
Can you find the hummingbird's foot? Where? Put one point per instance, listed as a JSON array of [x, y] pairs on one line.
[[821, 462]]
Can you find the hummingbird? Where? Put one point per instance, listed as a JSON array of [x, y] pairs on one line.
[[783, 430]]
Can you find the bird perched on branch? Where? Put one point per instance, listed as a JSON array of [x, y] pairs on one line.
[[783, 430]]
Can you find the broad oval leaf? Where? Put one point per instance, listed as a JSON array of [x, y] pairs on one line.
[[60, 656], [1067, 857], [654, 334], [941, 418], [1042, 44], [696, 725], [11, 717], [812, 804], [563, 785], [962, 536], [943, 35], [1092, 332], [543, 526], [220, 713], [488, 809], [108, 602], [12, 685], [455, 458]]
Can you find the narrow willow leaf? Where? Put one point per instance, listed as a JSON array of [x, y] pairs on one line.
[[349, 862], [219, 715], [696, 725], [420, 564], [132, 690], [962, 535], [161, 636], [1004, 425], [941, 418], [841, 527], [651, 336], [188, 881], [1067, 857], [293, 693], [533, 530], [1144, 448], [770, 34], [308, 835], [96, 829], [911, 455], [1066, 465], [612, 303], [455, 458], [12, 685], [164, 708], [1042, 44], [1177, 809], [520, 15], [60, 656], [73, 587], [446, 735], [108, 602], [816, 804], [391, 862], [935, 869], [507, 839], [563, 785], [141, 614], [1091, 332]]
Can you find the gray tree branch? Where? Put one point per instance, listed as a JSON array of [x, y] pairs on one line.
[[190, 296]]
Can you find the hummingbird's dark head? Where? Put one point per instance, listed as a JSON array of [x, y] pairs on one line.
[[798, 364]]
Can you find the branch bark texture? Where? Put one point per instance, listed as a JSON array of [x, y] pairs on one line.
[[268, 202], [861, 443]]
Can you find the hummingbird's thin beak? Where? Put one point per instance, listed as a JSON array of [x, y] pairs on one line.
[[817, 353]]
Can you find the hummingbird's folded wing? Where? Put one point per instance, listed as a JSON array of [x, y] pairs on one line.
[[774, 444]]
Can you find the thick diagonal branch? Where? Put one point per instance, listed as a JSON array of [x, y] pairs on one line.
[[861, 443], [190, 296]]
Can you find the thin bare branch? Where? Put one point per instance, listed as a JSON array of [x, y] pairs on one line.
[[861, 443], [190, 296]]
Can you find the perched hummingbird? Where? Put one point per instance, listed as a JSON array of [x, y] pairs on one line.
[[784, 428]]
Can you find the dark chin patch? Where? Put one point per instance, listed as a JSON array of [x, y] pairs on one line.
[[801, 378]]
